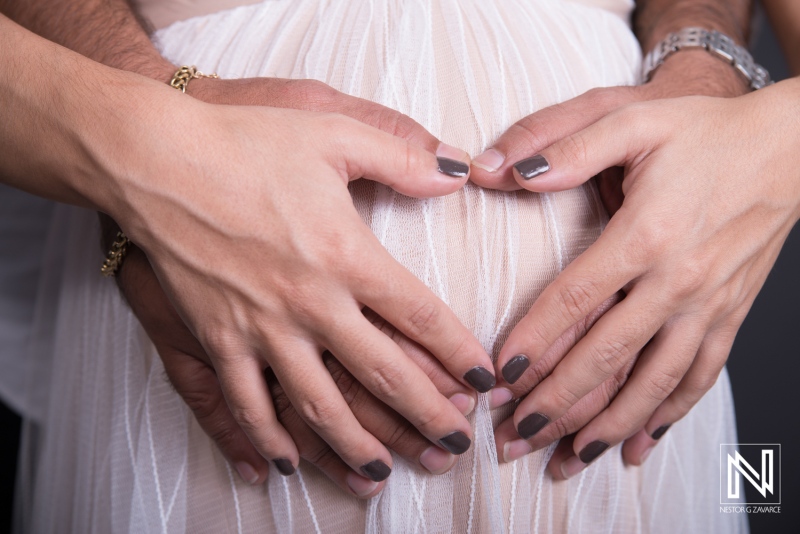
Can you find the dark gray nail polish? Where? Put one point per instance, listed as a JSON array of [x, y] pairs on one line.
[[454, 168], [479, 378], [532, 167], [515, 367], [376, 470], [658, 432], [532, 424], [284, 466], [592, 451], [456, 442]]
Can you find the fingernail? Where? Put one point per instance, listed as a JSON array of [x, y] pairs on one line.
[[646, 453], [592, 451], [456, 442], [360, 485], [247, 472], [515, 367], [489, 161], [465, 403], [532, 167], [516, 449], [532, 424], [498, 397], [451, 167], [376, 470], [450, 152], [660, 431], [479, 378], [572, 466], [436, 460], [284, 466]]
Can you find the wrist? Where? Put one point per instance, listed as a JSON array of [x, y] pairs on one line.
[[697, 72]]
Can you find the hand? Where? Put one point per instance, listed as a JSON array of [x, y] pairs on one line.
[[269, 191], [688, 73], [188, 369], [706, 210]]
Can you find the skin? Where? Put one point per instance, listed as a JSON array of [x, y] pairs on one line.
[[110, 149], [699, 216]]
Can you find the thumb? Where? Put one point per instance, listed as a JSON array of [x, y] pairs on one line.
[[616, 139], [494, 168], [400, 163], [197, 384]]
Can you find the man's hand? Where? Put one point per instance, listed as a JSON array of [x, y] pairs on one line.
[[188, 368]]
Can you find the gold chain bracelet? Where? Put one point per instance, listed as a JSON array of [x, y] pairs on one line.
[[184, 74], [115, 256]]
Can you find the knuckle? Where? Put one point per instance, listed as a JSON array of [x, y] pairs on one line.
[[565, 397], [530, 133], [313, 94], [221, 341], [387, 381], [250, 419], [423, 318], [608, 356], [576, 298], [319, 413], [659, 386], [574, 150], [203, 403], [394, 123]]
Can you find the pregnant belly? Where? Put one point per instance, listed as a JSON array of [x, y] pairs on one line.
[[466, 71]]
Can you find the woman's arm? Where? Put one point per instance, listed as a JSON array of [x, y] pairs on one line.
[[246, 217]]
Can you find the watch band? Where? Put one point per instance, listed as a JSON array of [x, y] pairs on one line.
[[714, 42]]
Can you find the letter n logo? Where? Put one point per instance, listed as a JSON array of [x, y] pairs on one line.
[[758, 464]]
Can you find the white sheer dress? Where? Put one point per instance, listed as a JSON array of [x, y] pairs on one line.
[[114, 449]]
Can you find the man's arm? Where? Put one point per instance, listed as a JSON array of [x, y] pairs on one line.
[[698, 70], [107, 31]]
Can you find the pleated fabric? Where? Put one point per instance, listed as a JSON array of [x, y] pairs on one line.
[[119, 452]]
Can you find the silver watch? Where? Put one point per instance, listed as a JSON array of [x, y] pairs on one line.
[[717, 44]]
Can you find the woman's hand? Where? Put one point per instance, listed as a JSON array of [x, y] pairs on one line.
[[253, 235], [711, 190], [189, 370]]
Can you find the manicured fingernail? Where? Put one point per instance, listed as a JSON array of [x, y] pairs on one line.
[[360, 485], [479, 378], [660, 431], [532, 167], [376, 470], [572, 466], [490, 161], [516, 449], [451, 167], [592, 451], [532, 424], [247, 472], [498, 397], [284, 466], [436, 460], [456, 442], [515, 367], [465, 403], [646, 453]]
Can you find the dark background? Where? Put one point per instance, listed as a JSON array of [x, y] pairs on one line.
[[764, 365]]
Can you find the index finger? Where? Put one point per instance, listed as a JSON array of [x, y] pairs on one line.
[[403, 300], [594, 276]]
